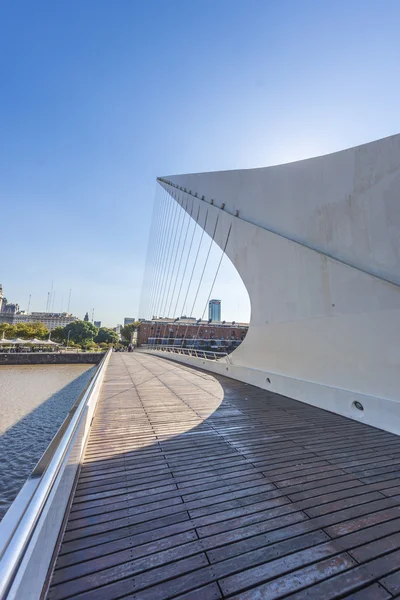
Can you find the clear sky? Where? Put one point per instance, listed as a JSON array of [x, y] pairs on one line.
[[98, 98]]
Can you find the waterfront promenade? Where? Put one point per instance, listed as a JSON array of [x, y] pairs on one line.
[[196, 486]]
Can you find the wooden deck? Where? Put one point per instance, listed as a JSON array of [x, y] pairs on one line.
[[201, 487]]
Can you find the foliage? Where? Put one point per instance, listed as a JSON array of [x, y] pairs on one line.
[[25, 331], [127, 331], [80, 332], [106, 335], [7, 330], [58, 335], [104, 345], [89, 345]]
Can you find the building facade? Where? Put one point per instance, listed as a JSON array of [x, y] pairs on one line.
[[191, 333], [11, 314], [214, 310], [9, 307], [129, 321], [50, 320], [97, 324]]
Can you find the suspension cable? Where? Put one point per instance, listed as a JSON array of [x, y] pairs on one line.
[[188, 254], [215, 276], [158, 233], [165, 224], [205, 264], [172, 262], [202, 274], [169, 255], [160, 300], [181, 255], [145, 280], [175, 251], [195, 261]]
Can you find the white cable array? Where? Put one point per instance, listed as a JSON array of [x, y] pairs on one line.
[[146, 273], [173, 247], [160, 239], [164, 258]]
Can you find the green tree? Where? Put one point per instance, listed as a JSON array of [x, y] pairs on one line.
[[37, 330], [58, 334], [106, 335], [25, 331], [80, 332], [7, 329], [90, 345], [127, 331]]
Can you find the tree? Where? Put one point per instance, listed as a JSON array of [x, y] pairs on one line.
[[25, 331], [106, 335], [58, 334], [80, 332], [31, 330], [8, 330], [127, 331]]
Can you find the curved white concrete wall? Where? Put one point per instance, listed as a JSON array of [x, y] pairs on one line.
[[317, 244]]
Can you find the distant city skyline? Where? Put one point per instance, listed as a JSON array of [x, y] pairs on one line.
[[87, 126]]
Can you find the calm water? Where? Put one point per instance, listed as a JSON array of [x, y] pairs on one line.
[[34, 401]]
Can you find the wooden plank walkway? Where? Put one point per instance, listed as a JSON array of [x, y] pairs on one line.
[[200, 487]]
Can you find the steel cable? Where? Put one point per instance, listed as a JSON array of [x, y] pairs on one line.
[[175, 252], [195, 261], [215, 276], [188, 254], [167, 223], [166, 250], [160, 233], [146, 275], [181, 254]]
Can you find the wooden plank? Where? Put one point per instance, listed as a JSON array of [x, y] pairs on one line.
[[199, 487], [353, 580]]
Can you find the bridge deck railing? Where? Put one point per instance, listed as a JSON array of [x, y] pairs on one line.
[[205, 354], [30, 529]]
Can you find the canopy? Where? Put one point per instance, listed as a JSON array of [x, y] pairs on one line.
[[34, 342]]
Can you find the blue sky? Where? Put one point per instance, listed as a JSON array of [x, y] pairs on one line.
[[98, 98]]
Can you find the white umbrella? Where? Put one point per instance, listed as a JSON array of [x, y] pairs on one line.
[[19, 341], [5, 342]]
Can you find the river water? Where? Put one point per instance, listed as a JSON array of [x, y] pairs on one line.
[[34, 401]]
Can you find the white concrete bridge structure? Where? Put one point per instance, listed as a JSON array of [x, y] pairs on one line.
[[317, 245]]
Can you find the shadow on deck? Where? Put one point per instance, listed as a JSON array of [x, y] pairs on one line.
[[196, 486]]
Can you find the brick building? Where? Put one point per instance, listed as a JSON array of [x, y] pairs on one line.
[[191, 333]]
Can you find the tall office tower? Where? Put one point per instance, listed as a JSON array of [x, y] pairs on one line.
[[214, 310]]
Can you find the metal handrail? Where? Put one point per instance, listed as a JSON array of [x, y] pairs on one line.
[[204, 354], [21, 531]]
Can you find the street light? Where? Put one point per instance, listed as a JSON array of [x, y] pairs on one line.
[[69, 333]]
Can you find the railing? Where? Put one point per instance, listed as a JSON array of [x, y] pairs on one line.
[[205, 354], [30, 529]]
